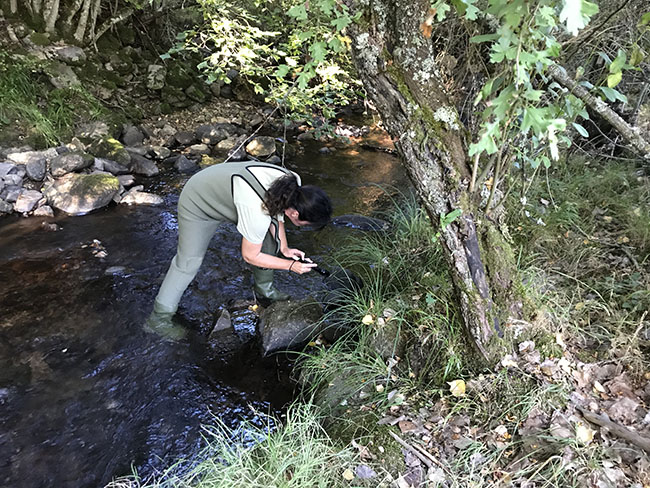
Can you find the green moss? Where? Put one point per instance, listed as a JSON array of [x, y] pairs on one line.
[[98, 183], [110, 148], [208, 161], [40, 38], [179, 76], [165, 108], [398, 79]]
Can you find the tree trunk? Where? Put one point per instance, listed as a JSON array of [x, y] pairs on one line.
[[396, 61], [51, 14], [83, 21]]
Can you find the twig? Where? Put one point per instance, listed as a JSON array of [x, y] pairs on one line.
[[616, 429], [419, 452], [472, 183]]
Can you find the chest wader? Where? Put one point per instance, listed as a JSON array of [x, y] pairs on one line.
[[195, 232], [265, 292]]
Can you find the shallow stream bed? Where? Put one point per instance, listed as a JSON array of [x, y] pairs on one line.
[[85, 393]]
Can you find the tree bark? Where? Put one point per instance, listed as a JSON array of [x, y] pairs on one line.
[[51, 14], [629, 133], [396, 62], [83, 21]]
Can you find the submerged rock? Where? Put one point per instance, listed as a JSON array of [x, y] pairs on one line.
[[79, 194], [360, 222], [289, 325]]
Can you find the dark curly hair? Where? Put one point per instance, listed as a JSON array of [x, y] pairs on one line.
[[311, 202]]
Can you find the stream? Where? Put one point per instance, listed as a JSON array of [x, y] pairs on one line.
[[85, 394]]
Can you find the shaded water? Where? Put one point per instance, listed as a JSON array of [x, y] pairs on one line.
[[84, 393]]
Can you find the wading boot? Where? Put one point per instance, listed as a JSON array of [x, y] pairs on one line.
[[265, 292], [161, 324]]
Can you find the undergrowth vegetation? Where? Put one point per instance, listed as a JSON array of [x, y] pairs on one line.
[[29, 105]]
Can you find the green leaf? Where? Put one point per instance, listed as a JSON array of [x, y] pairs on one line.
[[318, 50], [613, 95], [576, 14], [614, 79], [645, 19], [618, 63], [165, 56], [535, 118], [341, 22], [282, 71], [445, 220], [441, 9], [484, 38], [637, 56], [298, 12], [583, 132]]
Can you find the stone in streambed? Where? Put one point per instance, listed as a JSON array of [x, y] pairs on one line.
[[289, 325], [223, 341], [261, 147], [110, 148], [143, 166], [79, 194], [185, 165], [136, 196], [27, 201], [69, 163], [36, 169]]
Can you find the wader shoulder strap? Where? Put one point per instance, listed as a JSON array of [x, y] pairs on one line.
[[261, 192]]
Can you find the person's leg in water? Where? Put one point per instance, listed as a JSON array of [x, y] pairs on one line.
[[265, 292], [193, 239]]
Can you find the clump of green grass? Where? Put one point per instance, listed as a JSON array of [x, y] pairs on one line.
[[589, 252], [299, 454], [31, 109]]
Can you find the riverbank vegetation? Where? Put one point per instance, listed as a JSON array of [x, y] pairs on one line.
[[400, 400]]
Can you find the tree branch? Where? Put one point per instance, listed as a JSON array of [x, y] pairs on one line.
[[629, 133]]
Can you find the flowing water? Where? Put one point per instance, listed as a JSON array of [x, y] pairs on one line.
[[85, 394]]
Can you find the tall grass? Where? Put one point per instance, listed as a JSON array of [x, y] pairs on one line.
[[300, 454], [30, 108]]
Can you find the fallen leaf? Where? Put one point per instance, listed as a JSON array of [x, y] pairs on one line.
[[367, 319], [364, 472], [348, 474], [457, 388], [406, 426], [599, 388], [584, 434], [379, 388]]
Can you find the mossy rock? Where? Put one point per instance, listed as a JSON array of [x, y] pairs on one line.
[[166, 108], [79, 194], [40, 39], [114, 77], [207, 160], [179, 76], [110, 148], [195, 93], [108, 44], [126, 33]]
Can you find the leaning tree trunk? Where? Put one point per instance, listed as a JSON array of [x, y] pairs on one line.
[[396, 61]]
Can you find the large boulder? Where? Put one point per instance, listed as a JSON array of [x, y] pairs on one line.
[[26, 157], [62, 76], [290, 324], [261, 147], [72, 55], [79, 194], [69, 163]]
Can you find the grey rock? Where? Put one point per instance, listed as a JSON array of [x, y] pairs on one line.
[[10, 193], [289, 325], [305, 136], [185, 165], [36, 169], [160, 152], [185, 138], [143, 166], [167, 131], [116, 270], [126, 180], [223, 341], [69, 163], [261, 147], [113, 167], [69, 55], [27, 201], [93, 130], [98, 165], [32, 156], [132, 136], [13, 180], [211, 134], [156, 76], [275, 159], [139, 150], [195, 93], [360, 222], [199, 149], [5, 168], [49, 227], [6, 207], [135, 197], [236, 151], [44, 211], [256, 120], [18, 170], [79, 194], [62, 76]]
